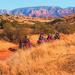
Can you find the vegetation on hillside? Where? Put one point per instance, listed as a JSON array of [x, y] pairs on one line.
[[15, 27]]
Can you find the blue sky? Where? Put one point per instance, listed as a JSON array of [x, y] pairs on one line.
[[12, 4]]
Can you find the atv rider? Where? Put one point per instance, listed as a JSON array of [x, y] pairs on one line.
[[27, 42], [20, 43], [41, 39], [49, 38], [57, 35]]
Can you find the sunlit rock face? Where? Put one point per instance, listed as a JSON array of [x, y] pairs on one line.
[[42, 11]]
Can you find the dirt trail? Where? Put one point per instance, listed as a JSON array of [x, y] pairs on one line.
[[4, 52]]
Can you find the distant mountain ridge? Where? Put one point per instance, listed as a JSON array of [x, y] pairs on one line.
[[41, 11]]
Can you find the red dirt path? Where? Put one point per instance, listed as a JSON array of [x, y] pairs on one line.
[[4, 52]]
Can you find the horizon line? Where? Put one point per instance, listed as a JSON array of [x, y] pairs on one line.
[[37, 6]]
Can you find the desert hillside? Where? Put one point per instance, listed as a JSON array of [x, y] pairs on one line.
[[12, 26], [23, 19], [53, 58]]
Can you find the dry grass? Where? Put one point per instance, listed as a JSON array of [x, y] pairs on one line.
[[24, 19], [55, 58]]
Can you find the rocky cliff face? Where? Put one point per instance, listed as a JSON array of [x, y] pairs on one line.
[[42, 11]]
